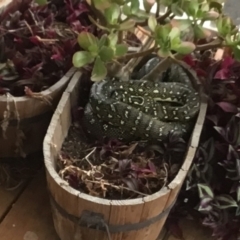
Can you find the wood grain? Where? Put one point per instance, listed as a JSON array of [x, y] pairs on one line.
[[30, 217], [69, 199], [7, 199]]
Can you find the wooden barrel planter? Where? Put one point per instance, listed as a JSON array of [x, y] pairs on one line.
[[77, 215], [24, 120]]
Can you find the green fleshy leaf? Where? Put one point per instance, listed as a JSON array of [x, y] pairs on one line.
[[93, 49], [210, 16], [175, 43], [152, 23], [205, 191], [101, 4], [224, 26], [177, 10], [127, 25], [106, 54], [199, 32], [113, 39], [227, 25], [191, 7], [119, 2], [148, 5], [184, 48], [175, 33], [87, 41], [237, 34], [205, 6], [166, 3], [126, 10], [41, 2], [121, 50], [134, 6], [175, 37], [82, 58], [141, 15], [230, 41], [112, 14], [162, 32], [99, 71], [236, 52], [103, 41], [183, 24], [219, 23]]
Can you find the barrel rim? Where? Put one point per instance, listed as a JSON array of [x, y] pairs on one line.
[[46, 92]]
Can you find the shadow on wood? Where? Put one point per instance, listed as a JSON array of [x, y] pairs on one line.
[[30, 217]]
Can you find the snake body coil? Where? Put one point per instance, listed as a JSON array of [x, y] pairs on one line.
[[141, 109]]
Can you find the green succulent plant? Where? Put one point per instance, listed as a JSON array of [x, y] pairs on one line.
[[109, 53]]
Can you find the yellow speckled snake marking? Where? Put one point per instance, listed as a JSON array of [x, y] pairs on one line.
[[140, 109]]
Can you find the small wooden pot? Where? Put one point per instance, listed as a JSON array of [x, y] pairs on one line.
[[22, 133], [78, 216]]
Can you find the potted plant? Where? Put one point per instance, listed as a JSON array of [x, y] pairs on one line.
[[38, 40], [123, 186]]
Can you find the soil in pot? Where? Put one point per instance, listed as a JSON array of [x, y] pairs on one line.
[[115, 170]]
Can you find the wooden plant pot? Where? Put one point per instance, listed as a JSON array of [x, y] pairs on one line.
[[22, 132], [78, 216]]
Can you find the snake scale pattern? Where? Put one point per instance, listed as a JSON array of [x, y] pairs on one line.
[[141, 109]]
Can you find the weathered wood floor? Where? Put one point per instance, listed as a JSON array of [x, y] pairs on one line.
[[25, 215]]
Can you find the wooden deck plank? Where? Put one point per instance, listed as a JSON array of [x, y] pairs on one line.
[[30, 217], [7, 198]]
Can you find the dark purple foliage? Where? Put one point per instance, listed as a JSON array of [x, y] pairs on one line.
[[116, 170], [212, 186], [40, 42]]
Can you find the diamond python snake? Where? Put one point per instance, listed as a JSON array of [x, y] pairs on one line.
[[141, 109]]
